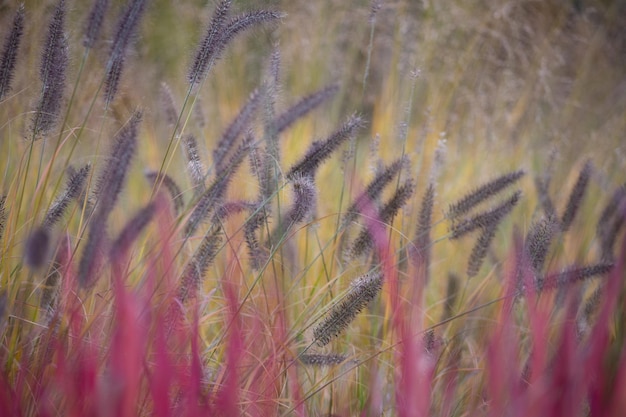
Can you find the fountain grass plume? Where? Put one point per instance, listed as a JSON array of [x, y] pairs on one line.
[[37, 245], [236, 128], [131, 231], [210, 45], [420, 250], [52, 71], [542, 184], [576, 196], [485, 219], [213, 195], [572, 275], [479, 251], [362, 291], [374, 188], [173, 189], [319, 151], [3, 215], [611, 209], [113, 175], [195, 167], [37, 248], [305, 200], [109, 186], [126, 28], [611, 221], [94, 22], [258, 218], [302, 208], [245, 21], [196, 268], [482, 193], [230, 208], [75, 187], [364, 242], [544, 198], [168, 106], [538, 241], [113, 76], [9, 52], [321, 359], [303, 106]]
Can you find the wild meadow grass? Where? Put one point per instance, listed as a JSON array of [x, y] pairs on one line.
[[312, 208]]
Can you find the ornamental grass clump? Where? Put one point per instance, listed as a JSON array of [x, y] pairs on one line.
[[197, 222]]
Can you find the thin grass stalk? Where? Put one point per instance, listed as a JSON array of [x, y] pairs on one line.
[[452, 295], [374, 9]]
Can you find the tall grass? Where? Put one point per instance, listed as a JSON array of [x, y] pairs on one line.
[[191, 223]]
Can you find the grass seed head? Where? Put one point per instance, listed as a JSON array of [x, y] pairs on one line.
[[9, 52], [482, 193], [362, 291], [94, 22], [576, 196], [54, 62]]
